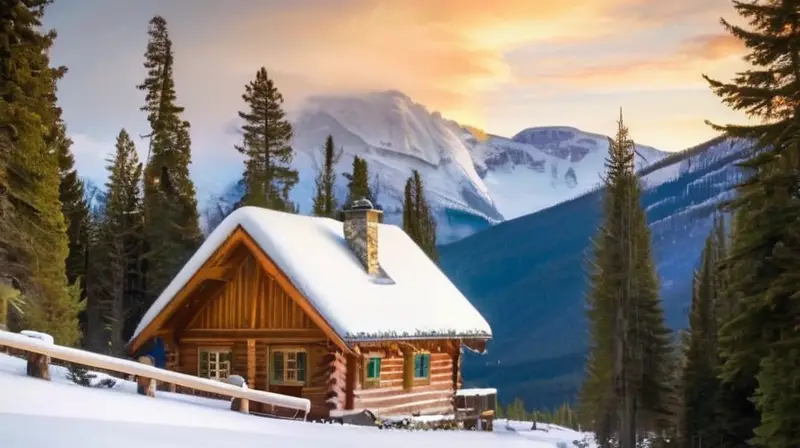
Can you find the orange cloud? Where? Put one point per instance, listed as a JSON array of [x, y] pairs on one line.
[[442, 53], [716, 54]]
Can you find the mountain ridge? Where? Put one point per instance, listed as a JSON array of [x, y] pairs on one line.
[[471, 182]]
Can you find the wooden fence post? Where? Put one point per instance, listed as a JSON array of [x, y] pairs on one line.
[[38, 364], [239, 404], [146, 386]]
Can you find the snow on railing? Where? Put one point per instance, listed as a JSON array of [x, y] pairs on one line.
[[31, 343]]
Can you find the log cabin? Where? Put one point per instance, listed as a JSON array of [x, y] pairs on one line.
[[352, 315]]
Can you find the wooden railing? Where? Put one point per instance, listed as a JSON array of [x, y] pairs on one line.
[[45, 348]]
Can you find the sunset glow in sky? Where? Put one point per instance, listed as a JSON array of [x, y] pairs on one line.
[[500, 65]]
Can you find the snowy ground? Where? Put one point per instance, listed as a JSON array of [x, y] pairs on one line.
[[60, 414]]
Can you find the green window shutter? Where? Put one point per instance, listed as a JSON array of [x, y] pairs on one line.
[[277, 366], [374, 368], [301, 366], [202, 368], [422, 365]]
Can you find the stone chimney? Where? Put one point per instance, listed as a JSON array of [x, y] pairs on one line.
[[361, 233]]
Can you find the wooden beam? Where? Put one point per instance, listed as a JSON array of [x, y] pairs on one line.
[[191, 308], [286, 284], [244, 334], [214, 273], [176, 302]]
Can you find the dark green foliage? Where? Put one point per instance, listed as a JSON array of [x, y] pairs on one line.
[[759, 337], [418, 221], [74, 207], [358, 182], [29, 120], [699, 383], [118, 246], [268, 176], [627, 383], [324, 195], [171, 227], [79, 374]]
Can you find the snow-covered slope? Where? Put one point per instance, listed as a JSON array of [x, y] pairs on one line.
[[60, 414], [543, 166], [472, 182]]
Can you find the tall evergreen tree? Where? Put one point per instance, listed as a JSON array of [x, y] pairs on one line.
[[324, 196], [171, 220], [74, 207], [118, 236], [699, 381], [626, 388], [418, 220], [29, 122], [268, 175], [760, 340]]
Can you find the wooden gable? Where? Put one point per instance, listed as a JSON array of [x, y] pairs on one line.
[[252, 300], [239, 288]]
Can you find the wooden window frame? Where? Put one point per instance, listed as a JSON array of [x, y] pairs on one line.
[[286, 351], [215, 350], [366, 381]]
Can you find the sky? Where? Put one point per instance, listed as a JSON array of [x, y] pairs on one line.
[[501, 65]]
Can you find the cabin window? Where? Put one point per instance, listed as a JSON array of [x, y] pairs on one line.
[[372, 371], [288, 366], [214, 364], [422, 365]]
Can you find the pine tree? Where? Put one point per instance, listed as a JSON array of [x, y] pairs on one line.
[[118, 236], [171, 220], [699, 381], [324, 196], [418, 220], [760, 339], [627, 383], [268, 176], [358, 182], [29, 121], [75, 208]]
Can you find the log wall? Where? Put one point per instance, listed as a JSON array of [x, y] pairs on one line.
[[399, 393]]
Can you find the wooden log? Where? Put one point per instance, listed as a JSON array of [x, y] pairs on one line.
[[146, 386], [239, 404]]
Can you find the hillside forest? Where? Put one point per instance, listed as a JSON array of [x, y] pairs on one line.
[[84, 264]]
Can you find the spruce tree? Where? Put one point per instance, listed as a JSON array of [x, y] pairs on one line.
[[171, 220], [324, 195], [760, 340], [74, 207], [700, 382], [118, 235], [266, 144], [418, 220], [29, 121], [627, 385], [358, 182]]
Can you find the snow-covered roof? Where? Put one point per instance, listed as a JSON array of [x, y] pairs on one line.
[[419, 301]]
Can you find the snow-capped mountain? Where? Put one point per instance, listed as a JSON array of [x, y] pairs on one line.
[[472, 179], [543, 166]]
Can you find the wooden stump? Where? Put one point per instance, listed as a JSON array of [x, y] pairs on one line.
[[146, 386], [38, 366], [239, 404]]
